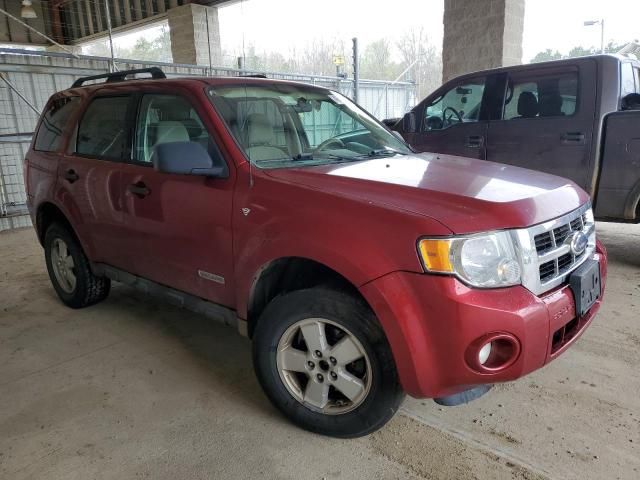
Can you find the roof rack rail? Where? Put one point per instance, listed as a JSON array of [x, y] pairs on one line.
[[253, 75], [155, 72]]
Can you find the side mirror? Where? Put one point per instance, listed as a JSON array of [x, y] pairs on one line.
[[409, 122], [186, 158], [390, 122], [631, 101]]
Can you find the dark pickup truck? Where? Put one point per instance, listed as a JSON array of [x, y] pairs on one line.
[[576, 118]]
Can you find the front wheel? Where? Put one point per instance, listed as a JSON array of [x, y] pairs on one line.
[[324, 361]]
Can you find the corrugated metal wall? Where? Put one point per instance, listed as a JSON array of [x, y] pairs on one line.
[[37, 75]]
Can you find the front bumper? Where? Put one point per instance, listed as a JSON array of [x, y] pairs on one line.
[[430, 322]]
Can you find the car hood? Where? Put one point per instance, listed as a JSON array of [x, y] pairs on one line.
[[466, 195]]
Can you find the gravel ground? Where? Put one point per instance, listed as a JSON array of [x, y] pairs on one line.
[[133, 388]]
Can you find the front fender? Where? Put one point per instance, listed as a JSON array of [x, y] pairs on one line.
[[258, 257]]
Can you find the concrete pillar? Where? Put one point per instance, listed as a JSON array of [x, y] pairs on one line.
[[481, 34], [195, 34]]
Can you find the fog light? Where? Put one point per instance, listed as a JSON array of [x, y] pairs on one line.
[[483, 354], [493, 352]]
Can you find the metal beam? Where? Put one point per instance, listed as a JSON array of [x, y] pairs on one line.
[[87, 4], [37, 32], [17, 92]]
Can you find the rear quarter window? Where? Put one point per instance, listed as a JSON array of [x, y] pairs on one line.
[[58, 112], [627, 79]]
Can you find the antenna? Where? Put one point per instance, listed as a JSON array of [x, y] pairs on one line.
[[246, 96]]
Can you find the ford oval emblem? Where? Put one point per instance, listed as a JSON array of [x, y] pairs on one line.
[[578, 243]]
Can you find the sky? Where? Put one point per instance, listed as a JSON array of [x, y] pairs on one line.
[[555, 24], [279, 25]]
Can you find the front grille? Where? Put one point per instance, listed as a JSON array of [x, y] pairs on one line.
[[551, 254], [547, 270], [565, 334], [544, 242], [561, 234], [576, 224], [564, 262]]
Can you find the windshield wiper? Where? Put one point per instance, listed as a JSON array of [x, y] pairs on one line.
[[322, 156], [383, 152]]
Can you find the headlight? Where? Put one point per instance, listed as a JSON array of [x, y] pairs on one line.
[[485, 261]]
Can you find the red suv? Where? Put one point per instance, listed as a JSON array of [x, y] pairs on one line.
[[359, 269]]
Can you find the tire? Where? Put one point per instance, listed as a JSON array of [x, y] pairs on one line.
[[353, 408], [71, 274]]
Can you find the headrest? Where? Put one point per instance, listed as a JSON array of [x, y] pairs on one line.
[[527, 105], [260, 130], [550, 105], [170, 131]]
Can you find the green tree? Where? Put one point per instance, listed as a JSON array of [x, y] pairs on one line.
[[578, 51], [547, 55], [157, 49]]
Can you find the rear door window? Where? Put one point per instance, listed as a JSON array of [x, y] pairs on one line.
[[59, 111], [103, 131], [537, 96]]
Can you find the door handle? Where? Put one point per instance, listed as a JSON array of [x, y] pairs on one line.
[[572, 138], [139, 189], [71, 175], [474, 141]]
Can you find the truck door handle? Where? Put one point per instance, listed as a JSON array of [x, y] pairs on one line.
[[572, 138], [71, 175], [139, 189], [474, 141]]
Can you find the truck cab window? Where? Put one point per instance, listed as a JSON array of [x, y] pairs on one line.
[[461, 104], [627, 79], [541, 96]]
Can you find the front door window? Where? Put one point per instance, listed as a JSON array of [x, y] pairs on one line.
[[461, 104]]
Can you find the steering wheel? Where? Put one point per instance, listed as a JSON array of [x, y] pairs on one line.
[[448, 120], [330, 141]]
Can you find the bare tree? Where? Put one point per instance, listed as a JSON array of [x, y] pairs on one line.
[[422, 59], [317, 57], [377, 63]]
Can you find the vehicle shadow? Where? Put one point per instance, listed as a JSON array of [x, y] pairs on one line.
[[622, 242], [220, 354]]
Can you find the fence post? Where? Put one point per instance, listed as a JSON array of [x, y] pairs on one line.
[[356, 70]]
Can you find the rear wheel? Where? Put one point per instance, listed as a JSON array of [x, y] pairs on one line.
[[324, 361], [69, 270]]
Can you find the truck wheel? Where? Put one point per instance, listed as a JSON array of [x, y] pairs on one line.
[[324, 361], [69, 270]]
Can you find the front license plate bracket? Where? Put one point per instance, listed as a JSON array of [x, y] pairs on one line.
[[585, 285]]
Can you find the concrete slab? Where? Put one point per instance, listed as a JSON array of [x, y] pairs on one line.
[[133, 388]]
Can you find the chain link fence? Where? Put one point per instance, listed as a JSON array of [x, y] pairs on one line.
[[29, 78]]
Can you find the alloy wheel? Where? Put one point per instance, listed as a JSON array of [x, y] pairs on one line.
[[324, 366]]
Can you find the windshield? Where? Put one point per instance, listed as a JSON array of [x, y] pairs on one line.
[[279, 126]]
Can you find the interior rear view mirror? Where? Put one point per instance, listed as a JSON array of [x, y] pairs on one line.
[[463, 91], [303, 105], [187, 158]]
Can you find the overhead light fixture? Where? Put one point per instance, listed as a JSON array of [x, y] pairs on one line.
[[27, 10]]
